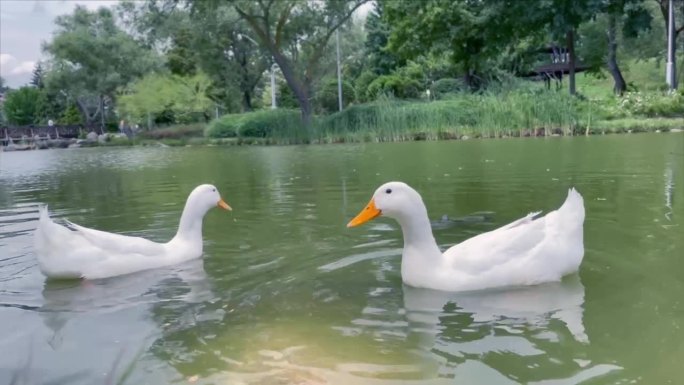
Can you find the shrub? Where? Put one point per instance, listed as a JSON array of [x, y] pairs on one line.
[[361, 85], [175, 132], [652, 104], [224, 127], [257, 124], [285, 97], [327, 96], [395, 85], [446, 86]]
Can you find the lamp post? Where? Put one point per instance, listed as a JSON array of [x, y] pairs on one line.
[[339, 70], [273, 87]]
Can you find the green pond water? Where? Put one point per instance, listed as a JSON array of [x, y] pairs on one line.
[[286, 294]]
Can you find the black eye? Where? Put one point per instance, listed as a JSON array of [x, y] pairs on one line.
[[214, 190], [388, 191]]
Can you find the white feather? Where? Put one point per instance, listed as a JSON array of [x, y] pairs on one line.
[[81, 252]]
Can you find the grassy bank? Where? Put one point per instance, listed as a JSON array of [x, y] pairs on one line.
[[529, 112], [522, 111]]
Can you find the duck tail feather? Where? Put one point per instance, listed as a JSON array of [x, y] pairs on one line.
[[573, 207]]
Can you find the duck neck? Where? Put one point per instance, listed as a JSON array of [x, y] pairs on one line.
[[190, 227], [418, 238], [421, 257]]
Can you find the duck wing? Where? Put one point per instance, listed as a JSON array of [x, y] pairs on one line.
[[498, 247], [86, 253], [116, 243], [557, 238]]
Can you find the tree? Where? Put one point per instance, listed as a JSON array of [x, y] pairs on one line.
[[230, 55], [296, 34], [634, 19], [38, 77], [21, 105], [380, 60], [183, 99], [208, 37], [475, 33], [91, 57], [601, 36]]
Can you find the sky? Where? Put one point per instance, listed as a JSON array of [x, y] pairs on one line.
[[24, 26]]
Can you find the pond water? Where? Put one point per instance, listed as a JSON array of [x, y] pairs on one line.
[[286, 294]]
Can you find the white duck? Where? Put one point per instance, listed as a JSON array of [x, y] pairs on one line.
[[92, 254], [525, 252]]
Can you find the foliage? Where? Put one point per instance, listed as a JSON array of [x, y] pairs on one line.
[[296, 35], [226, 126], [285, 97], [175, 132], [71, 116], [652, 104], [21, 105], [180, 99], [394, 85], [50, 105], [91, 57], [258, 124], [473, 32], [512, 114], [38, 76], [380, 61], [327, 97], [442, 88]]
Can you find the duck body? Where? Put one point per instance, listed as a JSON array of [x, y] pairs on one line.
[[79, 252], [528, 251]]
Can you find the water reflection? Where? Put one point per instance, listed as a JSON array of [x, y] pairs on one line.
[[72, 311]]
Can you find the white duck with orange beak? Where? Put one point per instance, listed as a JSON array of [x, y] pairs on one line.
[[528, 251], [81, 252]]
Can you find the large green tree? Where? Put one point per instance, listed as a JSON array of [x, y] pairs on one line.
[[475, 33], [91, 57], [296, 34]]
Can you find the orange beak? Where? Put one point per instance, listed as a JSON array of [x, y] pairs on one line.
[[370, 212], [222, 204]]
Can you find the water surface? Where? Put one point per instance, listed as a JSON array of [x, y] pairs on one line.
[[286, 294]]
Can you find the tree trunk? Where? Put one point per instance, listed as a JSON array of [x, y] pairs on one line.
[[620, 85], [88, 119], [300, 89], [246, 101], [570, 38]]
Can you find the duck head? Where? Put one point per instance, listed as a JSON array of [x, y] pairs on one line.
[[395, 200], [205, 197]]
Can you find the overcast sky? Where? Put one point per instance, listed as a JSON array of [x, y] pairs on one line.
[[24, 25]]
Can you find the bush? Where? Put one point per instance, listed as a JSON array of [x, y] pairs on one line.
[[361, 85], [175, 132], [285, 97], [224, 127], [444, 87], [394, 85], [21, 106], [652, 104], [327, 96], [258, 124]]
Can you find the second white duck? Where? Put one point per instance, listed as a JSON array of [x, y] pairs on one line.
[[81, 252], [528, 251]]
